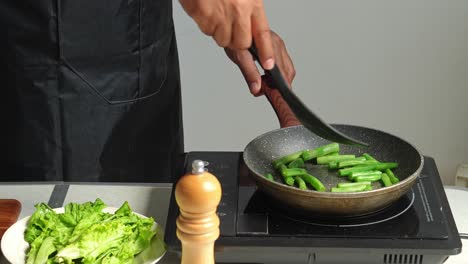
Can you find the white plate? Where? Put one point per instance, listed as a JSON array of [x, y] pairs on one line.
[[14, 247]]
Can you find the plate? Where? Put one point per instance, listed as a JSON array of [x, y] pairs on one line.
[[14, 247]]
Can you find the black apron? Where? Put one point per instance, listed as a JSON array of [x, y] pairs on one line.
[[92, 90]]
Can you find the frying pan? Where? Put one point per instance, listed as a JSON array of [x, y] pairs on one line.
[[260, 152]]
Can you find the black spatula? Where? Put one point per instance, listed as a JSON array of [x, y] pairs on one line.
[[310, 120]]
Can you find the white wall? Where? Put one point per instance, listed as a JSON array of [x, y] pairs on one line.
[[399, 66]]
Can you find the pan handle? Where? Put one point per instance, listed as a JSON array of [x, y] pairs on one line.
[[285, 115]]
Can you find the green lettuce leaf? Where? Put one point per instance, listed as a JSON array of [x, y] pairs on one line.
[[45, 250], [85, 234], [95, 241]]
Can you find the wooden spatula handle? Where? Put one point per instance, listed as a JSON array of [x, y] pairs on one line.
[[198, 194], [285, 115]]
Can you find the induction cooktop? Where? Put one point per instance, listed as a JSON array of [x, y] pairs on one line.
[[417, 229]]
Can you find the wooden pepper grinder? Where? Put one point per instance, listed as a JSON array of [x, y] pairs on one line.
[[198, 195]]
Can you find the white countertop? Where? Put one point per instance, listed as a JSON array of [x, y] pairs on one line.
[[458, 200]]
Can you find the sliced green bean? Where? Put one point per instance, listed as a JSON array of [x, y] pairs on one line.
[[293, 172], [368, 157], [355, 188], [363, 173], [286, 159], [348, 171], [269, 176], [386, 180], [392, 176], [370, 178], [333, 165], [385, 165], [354, 162], [361, 170], [282, 169], [347, 184], [297, 163], [314, 182], [329, 158], [376, 166], [288, 180], [320, 151], [300, 182]]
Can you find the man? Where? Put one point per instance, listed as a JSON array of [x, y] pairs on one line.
[[92, 87]]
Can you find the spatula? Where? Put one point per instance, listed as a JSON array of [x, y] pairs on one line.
[[310, 120]]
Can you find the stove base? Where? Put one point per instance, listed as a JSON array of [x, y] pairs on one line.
[[265, 255]]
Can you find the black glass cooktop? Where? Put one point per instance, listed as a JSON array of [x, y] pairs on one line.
[[419, 220], [415, 216]]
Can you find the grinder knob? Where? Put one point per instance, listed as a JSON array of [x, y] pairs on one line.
[[198, 194]]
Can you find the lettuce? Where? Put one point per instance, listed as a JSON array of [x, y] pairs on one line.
[[85, 234]]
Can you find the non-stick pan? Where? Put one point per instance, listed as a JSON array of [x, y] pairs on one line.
[[260, 152]]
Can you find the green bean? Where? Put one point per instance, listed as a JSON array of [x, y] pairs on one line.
[[269, 176], [363, 173], [354, 162], [289, 180], [355, 188], [282, 169], [376, 166], [314, 182], [320, 151], [330, 158], [386, 180], [385, 165], [392, 176], [333, 165], [346, 184], [368, 156], [362, 170], [293, 172], [286, 159], [301, 183], [370, 178], [348, 171], [297, 163]]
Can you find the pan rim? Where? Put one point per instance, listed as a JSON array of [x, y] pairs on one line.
[[313, 193]]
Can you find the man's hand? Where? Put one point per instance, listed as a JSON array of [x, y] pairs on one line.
[[233, 24], [247, 66]]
